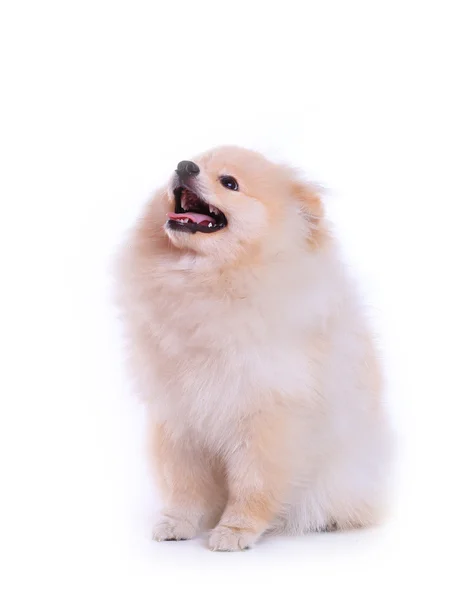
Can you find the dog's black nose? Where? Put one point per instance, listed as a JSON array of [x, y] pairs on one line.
[[187, 167]]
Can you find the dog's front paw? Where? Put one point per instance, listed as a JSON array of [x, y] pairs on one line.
[[173, 529], [230, 539]]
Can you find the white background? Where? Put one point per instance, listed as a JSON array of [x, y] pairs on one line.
[[99, 101]]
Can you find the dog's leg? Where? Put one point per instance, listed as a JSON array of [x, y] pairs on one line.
[[257, 473], [189, 486]]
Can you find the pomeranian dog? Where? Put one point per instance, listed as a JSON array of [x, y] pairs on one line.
[[249, 344]]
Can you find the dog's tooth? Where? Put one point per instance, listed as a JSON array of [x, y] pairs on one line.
[[210, 225]]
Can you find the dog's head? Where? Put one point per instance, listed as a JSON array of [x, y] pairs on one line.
[[231, 201]]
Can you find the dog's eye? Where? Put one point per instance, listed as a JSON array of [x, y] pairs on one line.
[[229, 182]]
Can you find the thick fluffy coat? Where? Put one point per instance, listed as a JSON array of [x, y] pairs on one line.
[[250, 346]]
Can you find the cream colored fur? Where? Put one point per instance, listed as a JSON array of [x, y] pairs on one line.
[[252, 351]]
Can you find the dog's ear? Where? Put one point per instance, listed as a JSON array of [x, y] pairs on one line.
[[310, 206]]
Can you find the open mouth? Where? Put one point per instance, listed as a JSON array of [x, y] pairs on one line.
[[194, 214]]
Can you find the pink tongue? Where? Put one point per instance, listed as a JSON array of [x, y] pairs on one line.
[[193, 217]]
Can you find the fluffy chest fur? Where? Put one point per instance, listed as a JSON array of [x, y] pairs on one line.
[[222, 345]]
